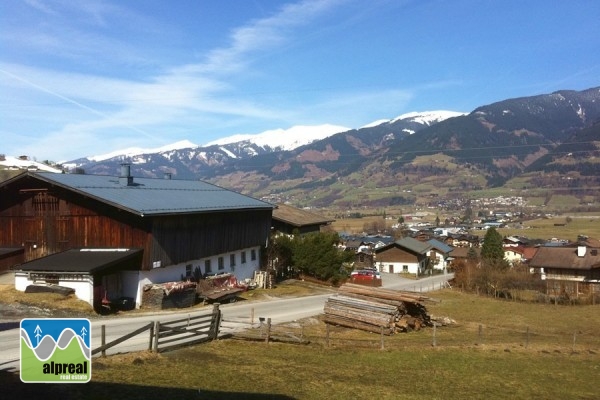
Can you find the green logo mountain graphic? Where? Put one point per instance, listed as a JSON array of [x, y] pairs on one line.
[[55, 350]]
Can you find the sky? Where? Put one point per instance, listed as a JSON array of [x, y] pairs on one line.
[[82, 78]]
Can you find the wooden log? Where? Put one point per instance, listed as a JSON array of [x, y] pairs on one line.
[[387, 294], [363, 304], [385, 320], [334, 320], [396, 303]]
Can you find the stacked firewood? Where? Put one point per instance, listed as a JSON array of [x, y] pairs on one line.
[[376, 309]]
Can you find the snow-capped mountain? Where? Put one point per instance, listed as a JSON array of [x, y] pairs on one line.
[[186, 160], [134, 151], [284, 139], [425, 118]]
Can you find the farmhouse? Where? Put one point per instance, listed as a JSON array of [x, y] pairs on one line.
[[568, 270], [108, 236], [406, 255]]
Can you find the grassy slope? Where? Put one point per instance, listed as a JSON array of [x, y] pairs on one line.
[[499, 363]]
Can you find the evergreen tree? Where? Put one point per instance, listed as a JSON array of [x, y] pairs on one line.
[[492, 252], [317, 255]]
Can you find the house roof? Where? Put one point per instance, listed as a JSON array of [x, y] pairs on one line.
[[151, 196], [410, 244], [298, 217], [10, 251], [443, 247], [463, 252], [566, 258], [80, 260]]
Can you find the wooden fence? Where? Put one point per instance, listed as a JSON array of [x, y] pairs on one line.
[[263, 330], [173, 334]]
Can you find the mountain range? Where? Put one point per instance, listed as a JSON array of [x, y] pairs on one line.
[[523, 143]]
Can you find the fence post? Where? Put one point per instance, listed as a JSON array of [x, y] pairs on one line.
[[268, 330], [216, 320], [252, 317], [103, 339], [382, 347], [574, 339], [434, 342], [151, 337], [327, 335], [156, 334]]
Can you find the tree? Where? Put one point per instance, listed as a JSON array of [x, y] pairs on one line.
[[492, 252], [279, 253], [317, 255]]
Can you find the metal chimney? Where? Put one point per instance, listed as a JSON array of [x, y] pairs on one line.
[[125, 178]]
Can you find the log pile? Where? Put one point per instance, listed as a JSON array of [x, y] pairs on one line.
[[376, 309]]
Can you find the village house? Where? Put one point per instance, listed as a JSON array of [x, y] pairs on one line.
[[407, 255], [568, 270], [108, 237], [439, 254]]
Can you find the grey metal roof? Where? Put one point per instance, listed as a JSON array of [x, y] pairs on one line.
[[443, 247], [80, 260], [413, 245], [150, 196]]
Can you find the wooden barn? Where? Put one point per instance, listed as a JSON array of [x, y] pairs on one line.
[[288, 220], [119, 233]]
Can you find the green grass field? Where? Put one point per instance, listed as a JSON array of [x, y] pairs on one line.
[[486, 354]]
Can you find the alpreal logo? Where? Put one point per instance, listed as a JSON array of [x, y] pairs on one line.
[[56, 350]]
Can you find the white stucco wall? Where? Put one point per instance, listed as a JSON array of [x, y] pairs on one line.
[[84, 289], [398, 267], [175, 272]]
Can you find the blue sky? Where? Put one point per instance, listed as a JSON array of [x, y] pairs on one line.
[[82, 78]]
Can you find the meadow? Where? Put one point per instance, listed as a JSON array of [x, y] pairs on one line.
[[494, 350]]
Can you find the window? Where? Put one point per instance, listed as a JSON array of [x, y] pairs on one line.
[[232, 260], [188, 270], [221, 263], [243, 256], [405, 268], [253, 254], [207, 267]]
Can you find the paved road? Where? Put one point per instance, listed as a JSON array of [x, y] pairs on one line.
[[280, 310]]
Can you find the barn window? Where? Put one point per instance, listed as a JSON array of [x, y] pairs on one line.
[[243, 256], [405, 268], [232, 260], [253, 255], [221, 263], [207, 267], [188, 270]]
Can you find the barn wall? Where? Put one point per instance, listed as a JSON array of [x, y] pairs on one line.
[[45, 220], [178, 239]]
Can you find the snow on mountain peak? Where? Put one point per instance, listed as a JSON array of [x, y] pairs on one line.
[[285, 139], [428, 117], [134, 151], [423, 117]]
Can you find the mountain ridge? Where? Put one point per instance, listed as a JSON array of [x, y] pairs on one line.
[[410, 159]]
